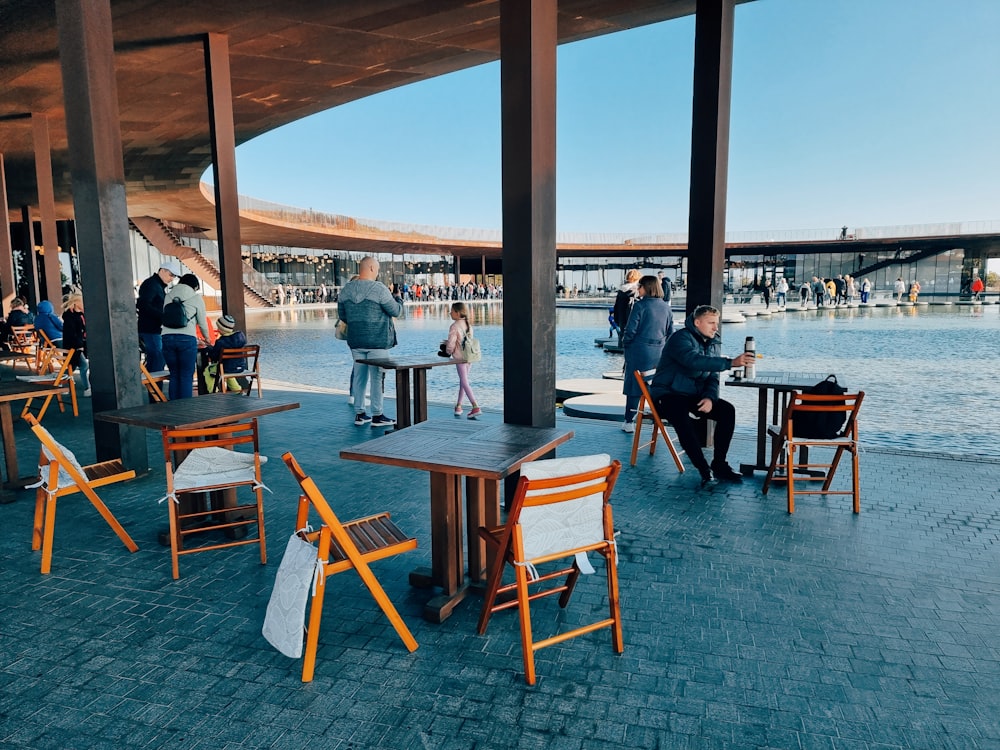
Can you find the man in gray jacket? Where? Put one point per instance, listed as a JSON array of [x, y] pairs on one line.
[[368, 307]]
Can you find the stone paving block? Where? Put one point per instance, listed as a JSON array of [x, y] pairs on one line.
[[744, 626]]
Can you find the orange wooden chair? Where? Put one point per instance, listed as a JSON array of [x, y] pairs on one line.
[[205, 460], [560, 510], [152, 383], [647, 413], [784, 465], [24, 342], [55, 370], [251, 374], [345, 546], [60, 475]]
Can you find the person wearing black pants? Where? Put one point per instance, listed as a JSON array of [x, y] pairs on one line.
[[686, 384]]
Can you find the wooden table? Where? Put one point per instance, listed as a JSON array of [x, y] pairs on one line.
[[782, 384], [419, 364], [15, 390], [201, 411], [482, 455], [210, 410]]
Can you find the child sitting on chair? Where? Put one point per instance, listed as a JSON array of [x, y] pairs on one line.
[[229, 338]]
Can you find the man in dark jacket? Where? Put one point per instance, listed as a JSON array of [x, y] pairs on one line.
[[687, 382], [149, 305]]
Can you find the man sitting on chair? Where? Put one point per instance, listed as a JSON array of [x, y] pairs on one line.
[[687, 382]]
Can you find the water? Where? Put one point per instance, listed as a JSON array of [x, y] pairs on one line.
[[928, 372]]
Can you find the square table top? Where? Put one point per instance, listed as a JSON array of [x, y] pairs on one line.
[[210, 410], [410, 362], [464, 448], [12, 390], [788, 381]]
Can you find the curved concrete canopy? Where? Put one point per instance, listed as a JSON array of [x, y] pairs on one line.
[[289, 59]]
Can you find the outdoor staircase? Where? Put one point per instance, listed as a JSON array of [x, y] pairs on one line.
[[911, 258], [160, 236]]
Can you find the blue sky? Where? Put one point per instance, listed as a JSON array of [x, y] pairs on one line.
[[856, 112]]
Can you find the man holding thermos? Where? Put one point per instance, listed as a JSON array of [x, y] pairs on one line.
[[687, 383]]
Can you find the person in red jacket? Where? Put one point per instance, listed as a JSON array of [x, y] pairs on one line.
[[977, 288]]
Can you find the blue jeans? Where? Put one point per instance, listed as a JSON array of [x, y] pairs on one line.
[[153, 344], [84, 365], [180, 352], [365, 373]]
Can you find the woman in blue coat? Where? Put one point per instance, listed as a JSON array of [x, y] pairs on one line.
[[49, 322], [649, 326]]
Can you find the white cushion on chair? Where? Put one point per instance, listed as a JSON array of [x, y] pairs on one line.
[[549, 529], [214, 466], [65, 480]]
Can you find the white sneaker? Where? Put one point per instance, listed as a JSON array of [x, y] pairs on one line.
[[86, 393], [628, 426], [350, 400]]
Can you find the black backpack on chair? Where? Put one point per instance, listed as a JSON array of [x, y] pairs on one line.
[[822, 425]]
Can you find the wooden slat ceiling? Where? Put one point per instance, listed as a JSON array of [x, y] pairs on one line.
[[289, 59]]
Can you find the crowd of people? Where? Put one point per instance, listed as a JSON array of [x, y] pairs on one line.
[[286, 294], [65, 330], [842, 289]]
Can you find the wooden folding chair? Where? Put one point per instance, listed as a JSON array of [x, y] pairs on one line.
[[345, 546], [45, 350], [204, 460], [152, 382], [647, 412], [24, 342], [561, 510], [251, 354], [60, 475], [783, 461], [55, 370]]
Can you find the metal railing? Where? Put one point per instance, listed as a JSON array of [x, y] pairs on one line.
[[306, 218]]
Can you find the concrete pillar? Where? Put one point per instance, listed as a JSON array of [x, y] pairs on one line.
[[86, 55], [713, 62], [528, 141], [227, 207], [7, 291], [47, 207], [30, 266]]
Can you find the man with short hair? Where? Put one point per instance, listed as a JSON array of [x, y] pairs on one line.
[[368, 307], [819, 290], [687, 382], [149, 305]]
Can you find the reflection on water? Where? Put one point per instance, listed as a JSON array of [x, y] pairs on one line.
[[927, 372]]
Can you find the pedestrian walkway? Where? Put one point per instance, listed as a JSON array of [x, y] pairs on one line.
[[744, 627]]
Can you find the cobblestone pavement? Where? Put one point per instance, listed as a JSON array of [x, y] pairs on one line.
[[744, 627]]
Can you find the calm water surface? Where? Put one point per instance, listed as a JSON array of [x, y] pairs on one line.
[[929, 373]]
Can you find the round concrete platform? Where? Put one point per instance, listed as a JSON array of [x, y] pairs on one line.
[[605, 340], [613, 374], [607, 406], [571, 387], [613, 348]]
